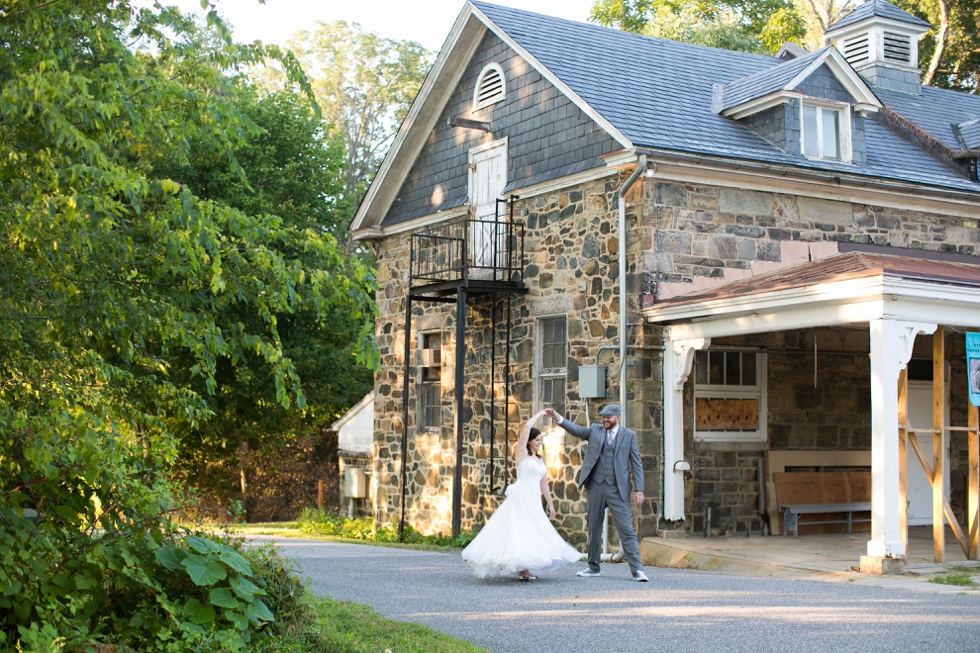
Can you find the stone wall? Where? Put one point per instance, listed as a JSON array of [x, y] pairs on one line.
[[681, 236], [572, 270]]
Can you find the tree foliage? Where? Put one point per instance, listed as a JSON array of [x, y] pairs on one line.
[[292, 169], [365, 85], [949, 53], [749, 26], [117, 285]]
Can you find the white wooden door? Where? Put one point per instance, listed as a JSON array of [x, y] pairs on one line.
[[488, 176], [918, 488]]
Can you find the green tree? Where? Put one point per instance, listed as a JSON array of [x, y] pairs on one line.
[[293, 170], [950, 52], [750, 26], [115, 285], [365, 85]]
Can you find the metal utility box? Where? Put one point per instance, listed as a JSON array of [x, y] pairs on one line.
[[355, 483], [592, 382]]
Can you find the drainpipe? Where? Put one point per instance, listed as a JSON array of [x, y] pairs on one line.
[[623, 345]]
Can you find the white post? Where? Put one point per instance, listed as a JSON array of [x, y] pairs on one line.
[[678, 358], [891, 349]]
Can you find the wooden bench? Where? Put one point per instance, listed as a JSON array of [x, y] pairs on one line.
[[832, 497], [792, 511]]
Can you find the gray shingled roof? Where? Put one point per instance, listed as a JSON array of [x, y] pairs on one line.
[[935, 111], [880, 8], [969, 134], [766, 81], [658, 94]]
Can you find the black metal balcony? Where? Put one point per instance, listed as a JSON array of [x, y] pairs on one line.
[[481, 255]]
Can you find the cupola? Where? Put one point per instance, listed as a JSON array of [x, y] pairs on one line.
[[881, 42]]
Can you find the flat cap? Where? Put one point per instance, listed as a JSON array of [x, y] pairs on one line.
[[609, 411]]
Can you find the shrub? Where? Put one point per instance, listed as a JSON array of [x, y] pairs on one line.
[[325, 522]]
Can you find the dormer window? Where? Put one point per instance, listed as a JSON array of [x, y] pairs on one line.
[[826, 131], [490, 87]]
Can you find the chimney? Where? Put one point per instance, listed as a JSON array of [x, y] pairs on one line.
[[881, 42]]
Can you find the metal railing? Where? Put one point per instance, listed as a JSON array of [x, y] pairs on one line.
[[489, 249]]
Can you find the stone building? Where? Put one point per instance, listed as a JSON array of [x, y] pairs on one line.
[[772, 242]]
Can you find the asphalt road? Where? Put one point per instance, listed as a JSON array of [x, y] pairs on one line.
[[677, 610]]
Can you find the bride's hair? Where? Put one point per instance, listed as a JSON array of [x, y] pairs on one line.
[[533, 434]]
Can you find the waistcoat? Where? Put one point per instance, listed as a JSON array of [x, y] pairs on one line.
[[603, 471]]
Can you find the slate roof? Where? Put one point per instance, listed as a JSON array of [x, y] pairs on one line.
[[935, 111], [658, 94], [969, 133], [766, 81], [880, 8]]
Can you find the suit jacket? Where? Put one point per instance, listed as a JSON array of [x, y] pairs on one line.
[[626, 455]]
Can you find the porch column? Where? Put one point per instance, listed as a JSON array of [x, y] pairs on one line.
[[678, 358], [891, 349]]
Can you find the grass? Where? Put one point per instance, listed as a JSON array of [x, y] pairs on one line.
[[344, 627], [292, 529], [960, 575]]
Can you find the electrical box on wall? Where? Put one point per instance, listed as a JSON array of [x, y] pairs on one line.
[[592, 382], [355, 483]]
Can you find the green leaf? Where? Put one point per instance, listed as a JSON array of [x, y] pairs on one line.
[[197, 612], [204, 571], [258, 611], [237, 618], [202, 545], [246, 589], [170, 557], [223, 598], [236, 562]]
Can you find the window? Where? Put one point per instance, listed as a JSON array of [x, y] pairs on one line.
[[430, 390], [729, 396], [825, 132], [490, 87], [551, 362]]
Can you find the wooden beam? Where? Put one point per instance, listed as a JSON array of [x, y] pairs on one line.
[[938, 442], [903, 458], [957, 531], [920, 454], [973, 483]]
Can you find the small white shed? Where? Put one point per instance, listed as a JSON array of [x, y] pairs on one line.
[[355, 430]]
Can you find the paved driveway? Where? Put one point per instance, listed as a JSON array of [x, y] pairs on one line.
[[677, 611]]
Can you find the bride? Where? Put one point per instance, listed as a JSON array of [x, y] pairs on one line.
[[518, 537]]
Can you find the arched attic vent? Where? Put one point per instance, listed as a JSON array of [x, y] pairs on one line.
[[490, 87]]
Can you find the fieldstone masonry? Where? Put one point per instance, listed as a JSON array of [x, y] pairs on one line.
[[680, 237]]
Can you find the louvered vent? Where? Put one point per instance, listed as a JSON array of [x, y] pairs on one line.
[[489, 87], [898, 47], [856, 49]]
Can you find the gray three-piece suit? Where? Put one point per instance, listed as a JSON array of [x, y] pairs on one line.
[[605, 475]]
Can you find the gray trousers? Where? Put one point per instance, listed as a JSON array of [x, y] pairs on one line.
[[600, 497]]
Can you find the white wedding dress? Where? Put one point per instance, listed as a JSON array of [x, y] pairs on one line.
[[518, 534]]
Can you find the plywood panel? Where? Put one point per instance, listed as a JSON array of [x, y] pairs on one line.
[[727, 414], [823, 487]]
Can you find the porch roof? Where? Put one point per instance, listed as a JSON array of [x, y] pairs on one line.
[[852, 287]]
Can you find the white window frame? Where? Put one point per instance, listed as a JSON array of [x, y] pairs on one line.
[[758, 392], [479, 82], [540, 373], [844, 146], [427, 383]]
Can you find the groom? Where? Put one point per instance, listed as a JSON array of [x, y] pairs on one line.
[[605, 474]]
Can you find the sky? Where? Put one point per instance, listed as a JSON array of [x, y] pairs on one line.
[[425, 21]]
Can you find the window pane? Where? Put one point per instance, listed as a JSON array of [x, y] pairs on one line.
[[553, 346], [831, 134], [748, 369], [700, 367], [733, 371], [716, 368], [553, 393], [431, 412], [810, 131]]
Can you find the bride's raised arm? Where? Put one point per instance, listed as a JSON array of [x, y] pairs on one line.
[[520, 449]]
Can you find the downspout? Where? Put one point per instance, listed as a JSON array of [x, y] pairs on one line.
[[623, 345]]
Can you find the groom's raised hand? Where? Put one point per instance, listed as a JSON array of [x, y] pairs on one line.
[[550, 412]]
